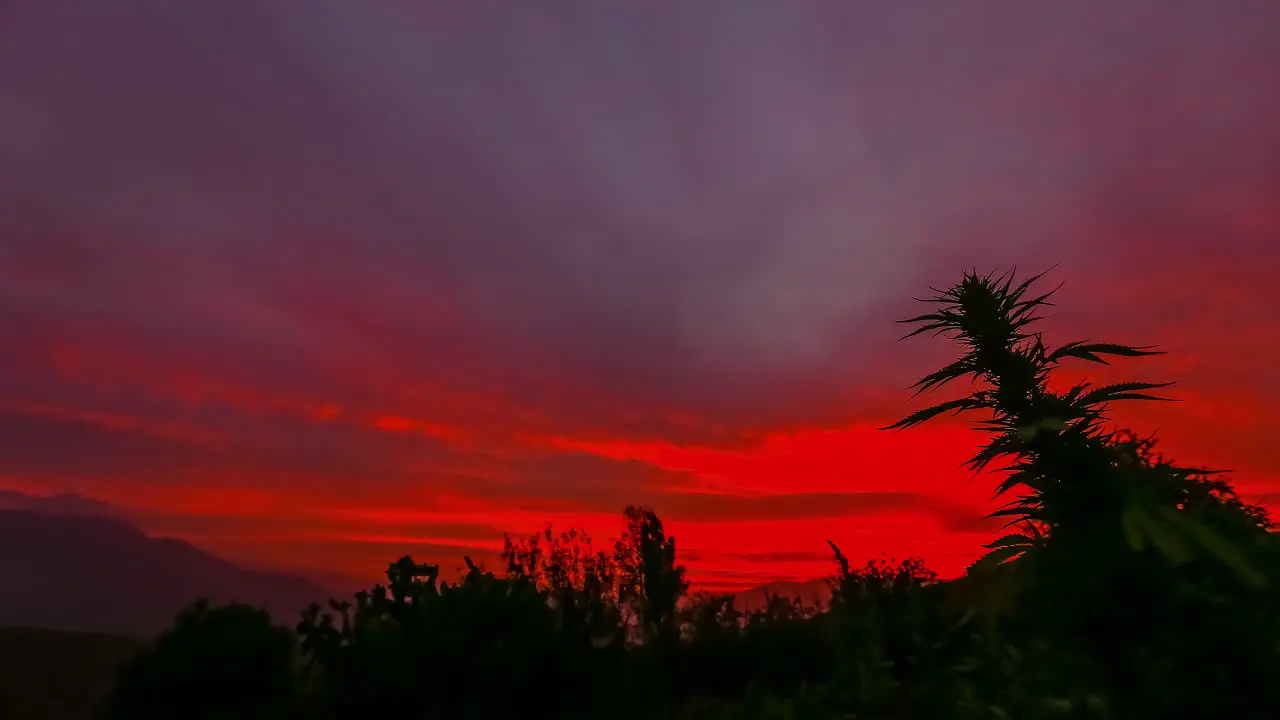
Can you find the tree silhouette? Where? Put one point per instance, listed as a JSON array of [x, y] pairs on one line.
[[581, 582], [650, 580], [215, 663]]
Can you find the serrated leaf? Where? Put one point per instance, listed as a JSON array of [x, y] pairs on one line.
[[995, 558], [926, 414], [1087, 350], [938, 378], [1011, 540], [936, 317], [1122, 391]]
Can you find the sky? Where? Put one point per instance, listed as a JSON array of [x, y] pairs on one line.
[[315, 285]]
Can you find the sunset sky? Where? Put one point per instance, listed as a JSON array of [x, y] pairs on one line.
[[318, 284]]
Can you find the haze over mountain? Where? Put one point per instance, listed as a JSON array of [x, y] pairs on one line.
[[61, 504], [810, 592], [80, 564], [93, 572]]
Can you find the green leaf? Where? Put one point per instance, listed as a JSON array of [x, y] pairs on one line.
[[1227, 552], [1162, 536], [1132, 527]]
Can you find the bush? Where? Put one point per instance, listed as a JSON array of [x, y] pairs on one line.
[[215, 663]]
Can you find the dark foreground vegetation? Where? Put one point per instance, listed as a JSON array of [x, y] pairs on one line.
[[1127, 587], [58, 674]]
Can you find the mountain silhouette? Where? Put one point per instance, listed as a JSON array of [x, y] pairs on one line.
[[98, 573], [809, 591], [61, 504]]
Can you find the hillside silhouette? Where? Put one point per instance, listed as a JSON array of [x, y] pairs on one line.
[[142, 579], [98, 573], [812, 592], [58, 675], [63, 504]]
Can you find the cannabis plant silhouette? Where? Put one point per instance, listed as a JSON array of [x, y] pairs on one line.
[[1074, 478]]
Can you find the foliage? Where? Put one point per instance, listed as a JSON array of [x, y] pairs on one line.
[[216, 663], [1125, 585], [1115, 545]]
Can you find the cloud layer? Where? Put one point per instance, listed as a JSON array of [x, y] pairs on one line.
[[272, 273]]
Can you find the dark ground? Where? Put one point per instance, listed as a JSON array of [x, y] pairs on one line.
[[57, 675]]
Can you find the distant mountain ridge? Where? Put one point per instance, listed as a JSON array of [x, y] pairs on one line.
[[96, 573], [76, 563], [810, 592], [64, 504]]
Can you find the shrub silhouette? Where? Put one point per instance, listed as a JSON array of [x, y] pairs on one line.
[[418, 647], [1127, 586], [215, 663], [580, 582]]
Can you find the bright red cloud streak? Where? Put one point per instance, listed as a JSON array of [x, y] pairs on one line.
[[795, 483]]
